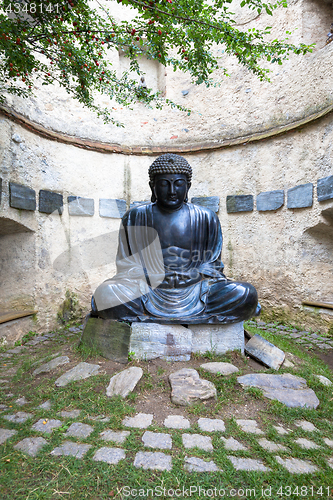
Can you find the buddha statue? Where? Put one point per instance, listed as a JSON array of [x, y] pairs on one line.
[[169, 267]]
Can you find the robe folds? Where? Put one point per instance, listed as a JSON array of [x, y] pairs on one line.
[[138, 291]]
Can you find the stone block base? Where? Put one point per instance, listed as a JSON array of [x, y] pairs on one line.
[[146, 341], [13, 331]]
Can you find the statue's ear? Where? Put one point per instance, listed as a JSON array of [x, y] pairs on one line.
[[153, 197]]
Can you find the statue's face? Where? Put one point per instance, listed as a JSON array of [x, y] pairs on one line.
[[170, 190]]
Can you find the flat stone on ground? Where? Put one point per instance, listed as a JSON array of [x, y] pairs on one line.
[[281, 430], [247, 464], [264, 352], [233, 444], [324, 380], [153, 460], [51, 365], [250, 426], [187, 387], [197, 441], [330, 462], [124, 382], [69, 448], [45, 425], [115, 436], [194, 464], [140, 421], [329, 442], [6, 434], [211, 424], [307, 444], [296, 466], [22, 401], [305, 398], [81, 371], [70, 413], [177, 422], [19, 417], [46, 405], [305, 425], [270, 446], [220, 368], [77, 429], [109, 455], [31, 446], [157, 440]]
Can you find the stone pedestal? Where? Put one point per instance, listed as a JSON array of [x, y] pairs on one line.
[[146, 341]]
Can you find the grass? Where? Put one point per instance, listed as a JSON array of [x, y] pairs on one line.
[[48, 477]]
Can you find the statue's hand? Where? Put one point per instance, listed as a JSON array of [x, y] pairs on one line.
[[181, 279]]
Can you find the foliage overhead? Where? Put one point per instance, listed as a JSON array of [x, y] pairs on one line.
[[68, 41]]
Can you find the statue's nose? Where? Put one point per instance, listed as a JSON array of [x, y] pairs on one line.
[[172, 188]]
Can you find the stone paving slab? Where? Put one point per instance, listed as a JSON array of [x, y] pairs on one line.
[[249, 464], [77, 429], [296, 466], [109, 455], [187, 387], [153, 460], [281, 430], [45, 425], [177, 422], [271, 446], [307, 444], [22, 401], [140, 421], [70, 413], [79, 372], [211, 424], [124, 382], [46, 405], [31, 446], [219, 368], [51, 365], [329, 442], [18, 418], [305, 425], [3, 407], [197, 441], [115, 436], [6, 434], [250, 426], [264, 352], [157, 440], [68, 448], [194, 464], [330, 462], [233, 444]]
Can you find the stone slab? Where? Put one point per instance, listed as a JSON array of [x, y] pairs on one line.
[[22, 197], [6, 434], [306, 444], [152, 340], [281, 430], [31, 446], [249, 464], [83, 207], [81, 371], [50, 202], [157, 440], [329, 442], [233, 444], [239, 203], [77, 429], [124, 382], [300, 196], [218, 338], [70, 413], [69, 448], [153, 460], [197, 441], [21, 401], [220, 368], [109, 455], [51, 365], [194, 464], [271, 446], [265, 352], [250, 426], [305, 425], [271, 381], [270, 200], [139, 421], [211, 202], [18, 418], [110, 338], [211, 425], [177, 422], [325, 188], [304, 398], [115, 209], [296, 466], [46, 425], [324, 380], [187, 387], [115, 436]]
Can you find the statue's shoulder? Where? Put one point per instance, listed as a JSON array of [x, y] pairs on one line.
[[202, 210], [134, 212]]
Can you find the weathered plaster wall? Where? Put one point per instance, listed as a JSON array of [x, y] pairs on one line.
[[286, 253]]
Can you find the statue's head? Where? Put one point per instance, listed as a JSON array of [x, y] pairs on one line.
[[170, 179]]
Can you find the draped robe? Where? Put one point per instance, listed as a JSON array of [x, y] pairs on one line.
[[136, 292]]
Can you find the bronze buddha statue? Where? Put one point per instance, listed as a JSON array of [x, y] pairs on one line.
[[169, 267]]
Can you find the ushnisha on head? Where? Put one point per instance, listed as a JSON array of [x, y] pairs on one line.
[[168, 165]]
